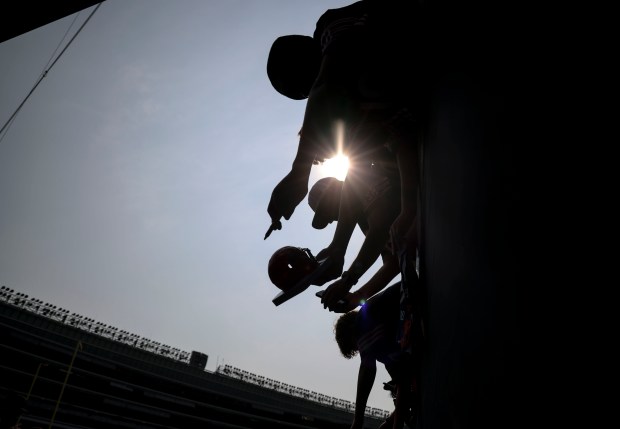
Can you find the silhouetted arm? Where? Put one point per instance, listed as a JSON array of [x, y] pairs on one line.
[[379, 221], [329, 101], [365, 380]]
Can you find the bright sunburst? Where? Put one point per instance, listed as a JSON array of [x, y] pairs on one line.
[[336, 167], [339, 165]]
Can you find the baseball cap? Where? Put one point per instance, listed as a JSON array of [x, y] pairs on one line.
[[319, 190], [293, 65]]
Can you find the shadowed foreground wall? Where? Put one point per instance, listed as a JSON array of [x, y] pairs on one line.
[[471, 226]]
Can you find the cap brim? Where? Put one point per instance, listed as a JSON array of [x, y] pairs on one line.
[[318, 222]]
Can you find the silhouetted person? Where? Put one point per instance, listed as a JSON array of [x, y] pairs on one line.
[[372, 331], [356, 72], [370, 202]]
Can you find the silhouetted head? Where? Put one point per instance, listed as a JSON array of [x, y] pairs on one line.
[[293, 65], [324, 200], [345, 330]]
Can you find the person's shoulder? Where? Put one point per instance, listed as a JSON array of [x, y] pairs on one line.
[[359, 8], [389, 8], [355, 8]]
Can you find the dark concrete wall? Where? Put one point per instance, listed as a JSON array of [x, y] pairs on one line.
[[472, 200]]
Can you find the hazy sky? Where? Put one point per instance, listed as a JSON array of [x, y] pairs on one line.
[[134, 183]]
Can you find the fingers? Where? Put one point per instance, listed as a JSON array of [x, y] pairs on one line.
[[278, 203], [287, 195], [334, 293], [280, 207], [326, 299], [275, 225]]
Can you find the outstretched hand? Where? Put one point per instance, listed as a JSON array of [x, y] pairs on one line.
[[348, 303], [335, 268], [324, 254], [334, 293], [286, 196]]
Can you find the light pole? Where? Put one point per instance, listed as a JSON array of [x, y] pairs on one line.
[[78, 346]]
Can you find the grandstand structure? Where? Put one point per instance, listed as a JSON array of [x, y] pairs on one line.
[[75, 372]]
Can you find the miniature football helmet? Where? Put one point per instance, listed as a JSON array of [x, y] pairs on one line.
[[289, 264]]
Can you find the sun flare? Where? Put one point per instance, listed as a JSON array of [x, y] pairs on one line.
[[336, 167]]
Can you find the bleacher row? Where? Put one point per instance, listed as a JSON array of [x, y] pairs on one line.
[[299, 392], [61, 315], [75, 320]]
